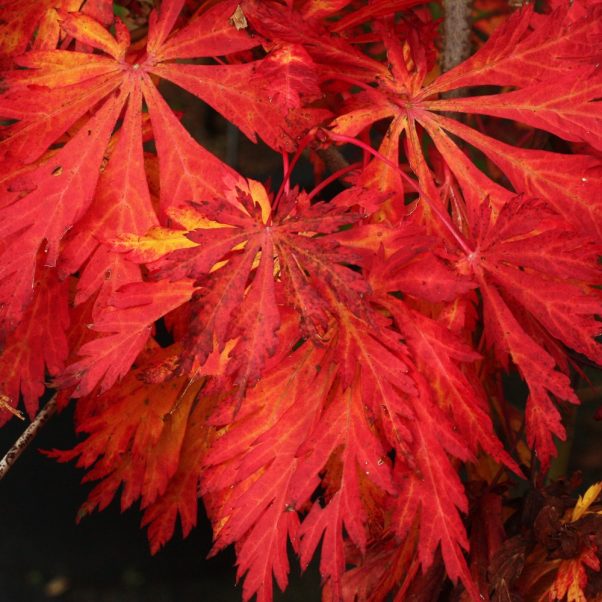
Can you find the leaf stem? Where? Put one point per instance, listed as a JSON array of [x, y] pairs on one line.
[[288, 168], [350, 80], [332, 177], [285, 162], [433, 204]]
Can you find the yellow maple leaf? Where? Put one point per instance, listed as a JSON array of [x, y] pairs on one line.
[[585, 501]]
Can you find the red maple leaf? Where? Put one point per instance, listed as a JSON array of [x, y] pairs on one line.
[[249, 254], [516, 55], [38, 345], [127, 321], [535, 272], [122, 449]]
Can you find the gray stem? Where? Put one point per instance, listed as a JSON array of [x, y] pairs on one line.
[[28, 435], [456, 32]]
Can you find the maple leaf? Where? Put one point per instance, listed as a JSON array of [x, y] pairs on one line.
[[246, 252], [513, 56], [38, 345], [135, 435], [339, 439], [252, 468], [276, 85], [127, 322], [344, 443], [434, 491], [264, 467], [531, 265], [438, 352]]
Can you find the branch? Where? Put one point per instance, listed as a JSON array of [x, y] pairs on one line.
[[28, 435], [333, 158], [456, 33]]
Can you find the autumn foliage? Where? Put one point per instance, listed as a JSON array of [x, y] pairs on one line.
[[323, 367]]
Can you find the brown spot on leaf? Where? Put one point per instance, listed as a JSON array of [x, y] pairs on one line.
[[238, 19]]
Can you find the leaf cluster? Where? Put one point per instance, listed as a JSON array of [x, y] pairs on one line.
[[334, 372]]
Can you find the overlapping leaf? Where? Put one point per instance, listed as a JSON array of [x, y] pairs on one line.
[[456, 390], [531, 265], [38, 345], [62, 89], [135, 436], [253, 468], [512, 57], [247, 255], [434, 491], [267, 465], [127, 322]]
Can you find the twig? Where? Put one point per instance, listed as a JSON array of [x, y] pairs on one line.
[[456, 32], [28, 435], [333, 158]]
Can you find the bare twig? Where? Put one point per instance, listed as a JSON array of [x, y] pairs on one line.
[[28, 435], [333, 159], [456, 32]]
